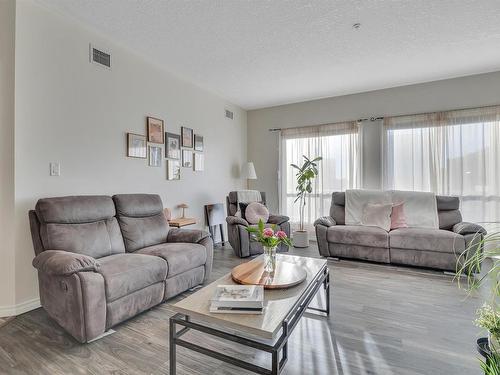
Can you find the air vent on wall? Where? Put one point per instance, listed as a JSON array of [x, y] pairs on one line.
[[229, 114], [100, 57]]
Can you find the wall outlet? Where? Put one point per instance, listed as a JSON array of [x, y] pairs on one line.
[[55, 169]]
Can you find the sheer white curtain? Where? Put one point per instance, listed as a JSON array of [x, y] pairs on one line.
[[450, 153], [338, 145]]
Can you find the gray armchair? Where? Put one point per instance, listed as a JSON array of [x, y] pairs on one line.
[[240, 240]]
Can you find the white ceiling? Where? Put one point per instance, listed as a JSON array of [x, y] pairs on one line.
[[263, 53]]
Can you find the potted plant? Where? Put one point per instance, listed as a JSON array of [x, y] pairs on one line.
[[305, 175], [270, 239], [488, 316]]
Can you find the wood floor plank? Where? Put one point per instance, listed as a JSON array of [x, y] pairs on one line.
[[386, 320]]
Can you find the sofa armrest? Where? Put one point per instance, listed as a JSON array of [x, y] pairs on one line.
[[234, 220], [468, 228], [186, 235], [327, 221], [277, 219], [63, 263]]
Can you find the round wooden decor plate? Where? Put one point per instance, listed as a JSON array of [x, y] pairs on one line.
[[286, 275]]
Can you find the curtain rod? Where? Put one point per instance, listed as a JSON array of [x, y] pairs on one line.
[[328, 123], [401, 115]]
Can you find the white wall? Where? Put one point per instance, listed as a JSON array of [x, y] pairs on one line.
[[76, 113], [7, 212], [472, 91]]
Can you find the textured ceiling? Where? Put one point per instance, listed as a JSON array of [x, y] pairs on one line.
[[264, 53]]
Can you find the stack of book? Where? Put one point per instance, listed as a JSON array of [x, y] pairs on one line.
[[238, 299]]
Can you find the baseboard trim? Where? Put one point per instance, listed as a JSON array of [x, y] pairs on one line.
[[20, 308]]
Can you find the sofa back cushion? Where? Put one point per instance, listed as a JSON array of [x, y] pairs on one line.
[[80, 224], [448, 210], [232, 202], [141, 220]]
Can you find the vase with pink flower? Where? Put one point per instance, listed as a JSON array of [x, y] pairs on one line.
[[270, 239]]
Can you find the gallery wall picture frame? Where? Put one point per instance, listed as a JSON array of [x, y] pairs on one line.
[[173, 170], [187, 137], [198, 142], [199, 162], [136, 146], [187, 158], [154, 130], [155, 156], [172, 146]]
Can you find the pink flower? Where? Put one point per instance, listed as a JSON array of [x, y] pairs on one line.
[[281, 235], [268, 232]]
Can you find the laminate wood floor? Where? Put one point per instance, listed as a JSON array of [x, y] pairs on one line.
[[386, 320]]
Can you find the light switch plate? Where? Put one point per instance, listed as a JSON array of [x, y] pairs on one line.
[[55, 169]]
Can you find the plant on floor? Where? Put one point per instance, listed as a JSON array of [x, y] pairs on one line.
[[305, 175], [491, 366], [488, 316]]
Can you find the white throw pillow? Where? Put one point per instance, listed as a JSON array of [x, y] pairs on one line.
[[256, 211], [377, 215]]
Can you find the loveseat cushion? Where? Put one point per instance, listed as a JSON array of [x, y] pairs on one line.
[[141, 220], [127, 273], [358, 235], [438, 240], [80, 224], [180, 256]]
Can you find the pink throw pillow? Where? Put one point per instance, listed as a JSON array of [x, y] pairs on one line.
[[256, 211], [398, 217]]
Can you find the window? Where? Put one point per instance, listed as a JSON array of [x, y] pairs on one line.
[[450, 153], [339, 170]]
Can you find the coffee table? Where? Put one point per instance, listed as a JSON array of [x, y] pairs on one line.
[[268, 332]]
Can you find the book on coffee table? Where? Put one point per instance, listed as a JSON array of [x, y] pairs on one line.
[[242, 299]]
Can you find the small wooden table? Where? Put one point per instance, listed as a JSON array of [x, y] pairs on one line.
[[285, 275], [268, 332], [182, 222]]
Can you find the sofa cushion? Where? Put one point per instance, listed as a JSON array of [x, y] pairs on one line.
[[127, 273], [97, 239], [427, 239], [180, 256], [358, 235], [141, 220], [80, 224]]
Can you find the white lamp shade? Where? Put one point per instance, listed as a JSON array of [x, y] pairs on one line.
[[249, 171]]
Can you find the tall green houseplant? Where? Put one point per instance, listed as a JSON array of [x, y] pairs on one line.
[[305, 176]]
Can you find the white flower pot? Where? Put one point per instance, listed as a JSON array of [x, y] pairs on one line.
[[300, 238]]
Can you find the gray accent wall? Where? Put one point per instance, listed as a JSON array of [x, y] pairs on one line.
[[471, 91], [77, 113], [7, 193]]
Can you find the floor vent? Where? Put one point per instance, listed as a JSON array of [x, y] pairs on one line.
[[229, 114], [99, 57]]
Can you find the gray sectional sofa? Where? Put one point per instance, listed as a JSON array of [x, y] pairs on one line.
[[433, 248], [102, 260]]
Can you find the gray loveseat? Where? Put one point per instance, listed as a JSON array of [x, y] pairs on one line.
[[434, 248], [240, 240], [102, 260]]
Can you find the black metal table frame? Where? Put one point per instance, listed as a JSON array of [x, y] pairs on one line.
[[281, 344]]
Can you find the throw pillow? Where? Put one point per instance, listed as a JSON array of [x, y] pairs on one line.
[[256, 211], [398, 217], [377, 215]]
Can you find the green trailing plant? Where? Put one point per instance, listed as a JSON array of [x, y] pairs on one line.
[[488, 316], [471, 259], [492, 365], [305, 176]]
